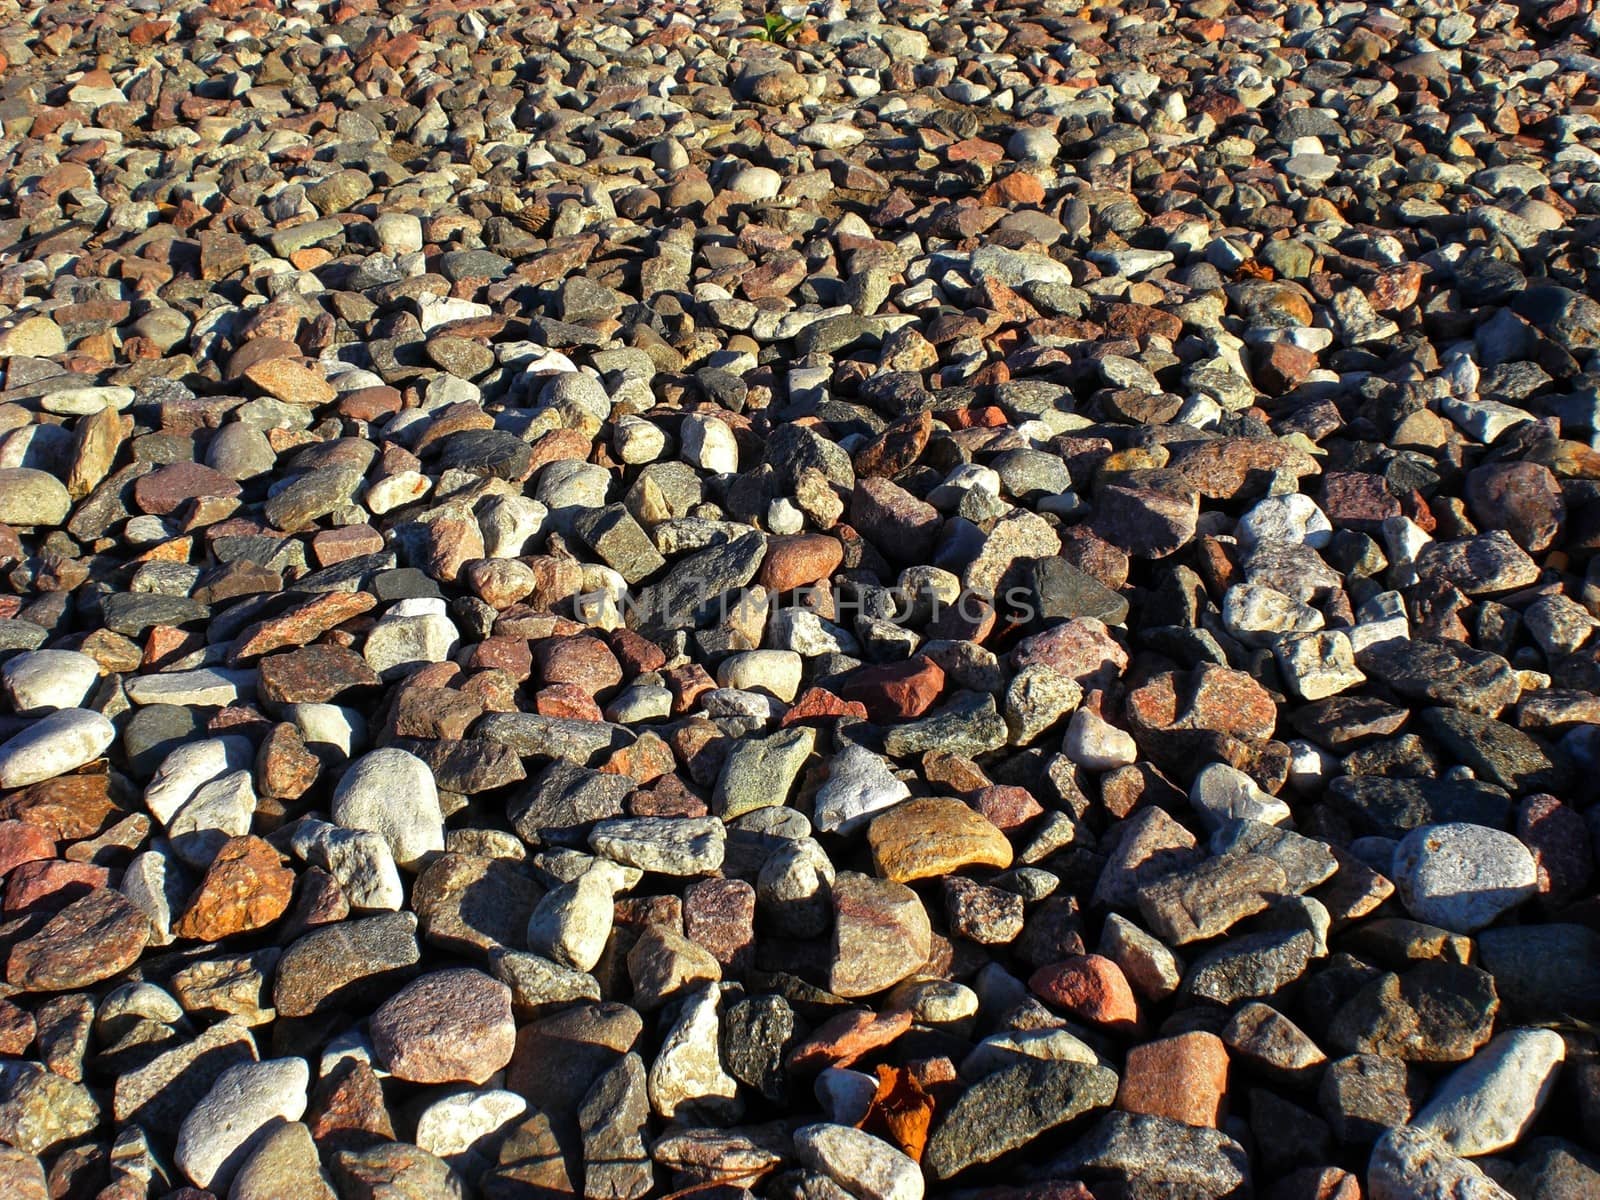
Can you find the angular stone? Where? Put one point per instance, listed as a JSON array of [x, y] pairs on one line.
[[881, 934]]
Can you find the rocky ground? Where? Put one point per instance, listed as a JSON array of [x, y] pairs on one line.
[[956, 599]]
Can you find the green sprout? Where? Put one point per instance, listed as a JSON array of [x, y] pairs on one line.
[[777, 28]]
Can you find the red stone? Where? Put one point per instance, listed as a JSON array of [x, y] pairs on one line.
[[47, 885], [1082, 649], [165, 490], [1357, 500], [583, 661], [639, 654], [646, 760], [840, 1041], [818, 704], [796, 561], [1283, 368], [1562, 849], [1089, 987], [720, 914], [21, 842], [566, 700], [1006, 806], [247, 887], [896, 691]]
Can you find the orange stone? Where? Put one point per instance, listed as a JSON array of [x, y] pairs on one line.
[[1182, 1078], [793, 562], [566, 700], [246, 887]]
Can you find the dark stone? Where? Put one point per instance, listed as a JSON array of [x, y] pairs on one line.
[[1008, 1109], [561, 805]]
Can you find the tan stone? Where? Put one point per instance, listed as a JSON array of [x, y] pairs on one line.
[[934, 836]]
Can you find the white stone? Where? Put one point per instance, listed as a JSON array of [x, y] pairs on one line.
[[1489, 1102], [48, 679], [1461, 876], [208, 687], [758, 183], [1485, 420], [572, 923], [866, 1167], [156, 886], [434, 311], [86, 401], [392, 793], [398, 233], [832, 135], [663, 845], [845, 1095], [392, 491], [859, 786], [1221, 793], [784, 516], [1032, 144], [1093, 742], [807, 634], [688, 1072], [63, 741], [1258, 615], [1020, 1045], [219, 810], [358, 859], [1403, 540], [1310, 766], [637, 441], [461, 1127], [186, 769], [509, 523], [775, 671], [709, 444], [1411, 1164], [329, 725], [1293, 518], [219, 1132], [1319, 665], [398, 643]]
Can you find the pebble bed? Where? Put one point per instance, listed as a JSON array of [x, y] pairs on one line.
[[882, 600]]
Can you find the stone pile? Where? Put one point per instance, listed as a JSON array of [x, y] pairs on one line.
[[892, 599]]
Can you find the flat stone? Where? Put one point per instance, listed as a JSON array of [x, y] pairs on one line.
[[346, 965], [447, 1026], [863, 1165], [1011, 1108], [55, 744], [91, 939], [663, 845], [934, 836]]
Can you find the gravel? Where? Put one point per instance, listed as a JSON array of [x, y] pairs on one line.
[[861, 599]]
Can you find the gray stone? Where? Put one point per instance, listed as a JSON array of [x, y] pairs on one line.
[[222, 1131], [1488, 1104], [1462, 877]]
